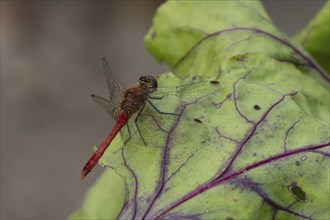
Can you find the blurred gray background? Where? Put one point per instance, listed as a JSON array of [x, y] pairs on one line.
[[50, 64]]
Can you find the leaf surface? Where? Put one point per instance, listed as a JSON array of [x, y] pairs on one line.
[[255, 146]]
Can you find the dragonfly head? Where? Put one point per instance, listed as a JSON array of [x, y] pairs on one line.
[[148, 82]]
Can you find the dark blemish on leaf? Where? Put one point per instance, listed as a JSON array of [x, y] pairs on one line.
[[214, 82], [298, 193], [297, 163], [239, 57], [256, 107], [198, 120], [194, 78], [153, 35], [254, 154], [229, 218]]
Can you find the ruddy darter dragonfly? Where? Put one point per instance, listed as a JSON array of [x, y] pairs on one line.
[[133, 99], [123, 103]]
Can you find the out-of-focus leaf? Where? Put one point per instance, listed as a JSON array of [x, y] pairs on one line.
[[254, 146], [315, 38], [104, 200]]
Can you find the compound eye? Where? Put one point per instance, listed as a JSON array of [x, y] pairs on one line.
[[148, 81], [153, 83], [142, 79]]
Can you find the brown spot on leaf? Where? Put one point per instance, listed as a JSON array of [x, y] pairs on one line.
[[214, 82], [256, 107], [198, 120]]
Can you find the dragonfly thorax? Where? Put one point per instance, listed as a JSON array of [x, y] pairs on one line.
[[134, 99]]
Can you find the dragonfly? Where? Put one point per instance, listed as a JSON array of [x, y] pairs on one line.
[[124, 103], [132, 101]]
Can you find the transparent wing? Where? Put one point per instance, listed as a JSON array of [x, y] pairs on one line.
[[170, 114], [115, 87], [168, 106], [184, 93], [110, 107], [155, 130]]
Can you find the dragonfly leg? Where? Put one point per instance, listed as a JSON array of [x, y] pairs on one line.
[[129, 135], [165, 113], [137, 125], [150, 97]]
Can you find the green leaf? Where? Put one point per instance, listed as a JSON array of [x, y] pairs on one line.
[[254, 146], [99, 202], [179, 25], [315, 38]]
